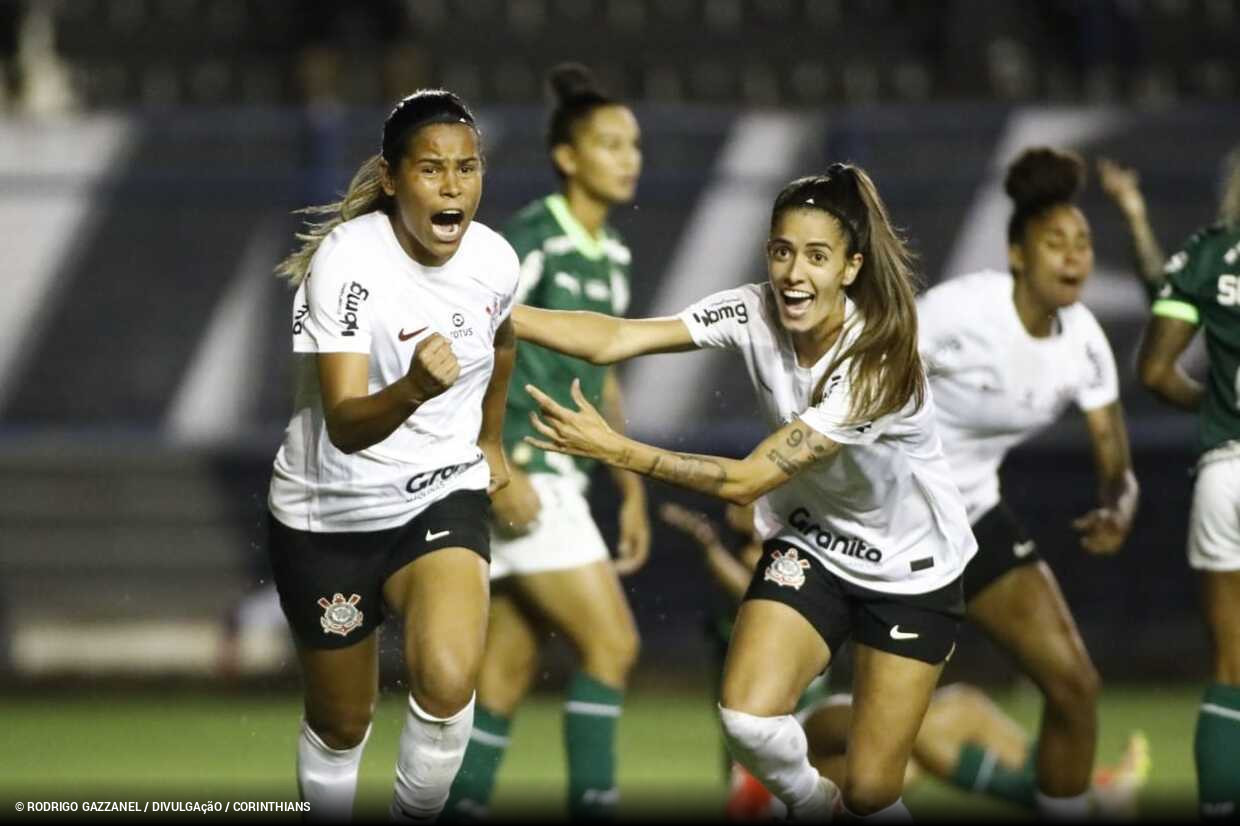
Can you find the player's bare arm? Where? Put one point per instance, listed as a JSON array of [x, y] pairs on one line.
[[1123, 186], [633, 547], [490, 435], [356, 418], [583, 432], [731, 574], [1165, 340], [1104, 529], [599, 338]]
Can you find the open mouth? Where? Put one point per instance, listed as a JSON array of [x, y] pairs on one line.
[[796, 302], [446, 224]]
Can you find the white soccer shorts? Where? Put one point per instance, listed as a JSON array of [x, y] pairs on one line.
[[564, 536], [1214, 525]]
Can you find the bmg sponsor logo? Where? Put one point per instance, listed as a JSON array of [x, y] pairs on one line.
[[833, 543], [713, 315], [351, 298]]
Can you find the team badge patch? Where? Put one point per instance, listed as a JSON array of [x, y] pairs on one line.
[[786, 568], [340, 616]]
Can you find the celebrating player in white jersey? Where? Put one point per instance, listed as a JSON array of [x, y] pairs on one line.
[[1006, 353], [865, 534], [379, 495]]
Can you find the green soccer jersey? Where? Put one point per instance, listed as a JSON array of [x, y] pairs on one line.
[[563, 267], [1203, 288]]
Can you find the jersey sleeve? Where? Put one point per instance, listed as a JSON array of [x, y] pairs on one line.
[[1177, 298], [1100, 385], [832, 415], [334, 314], [722, 320]]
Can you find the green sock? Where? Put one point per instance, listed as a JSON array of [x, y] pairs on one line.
[[590, 716], [471, 790], [1216, 747], [978, 770]]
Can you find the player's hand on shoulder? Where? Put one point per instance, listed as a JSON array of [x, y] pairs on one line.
[[515, 506], [1102, 530], [432, 369]]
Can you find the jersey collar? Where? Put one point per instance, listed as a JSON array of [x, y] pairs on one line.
[[586, 245]]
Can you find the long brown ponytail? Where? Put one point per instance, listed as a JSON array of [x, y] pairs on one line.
[[885, 369]]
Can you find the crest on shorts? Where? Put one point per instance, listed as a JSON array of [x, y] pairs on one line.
[[340, 616], [786, 568]]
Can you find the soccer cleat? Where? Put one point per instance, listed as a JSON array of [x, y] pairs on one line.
[[1115, 788], [748, 800]]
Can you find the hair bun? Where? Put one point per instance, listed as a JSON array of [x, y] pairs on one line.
[[568, 82], [1041, 176]]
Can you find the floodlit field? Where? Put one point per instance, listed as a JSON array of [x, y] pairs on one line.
[[150, 746]]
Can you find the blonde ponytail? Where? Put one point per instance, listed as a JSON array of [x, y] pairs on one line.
[[365, 194]]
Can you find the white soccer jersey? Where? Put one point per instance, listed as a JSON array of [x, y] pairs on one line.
[[883, 512], [364, 294], [995, 384]]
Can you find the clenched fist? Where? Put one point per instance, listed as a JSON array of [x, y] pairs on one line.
[[433, 368]]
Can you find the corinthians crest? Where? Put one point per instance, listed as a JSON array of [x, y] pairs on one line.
[[786, 568], [340, 616]]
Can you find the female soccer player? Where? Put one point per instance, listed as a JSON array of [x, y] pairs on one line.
[[379, 492], [865, 533], [965, 739], [1006, 353], [549, 563], [1202, 291]]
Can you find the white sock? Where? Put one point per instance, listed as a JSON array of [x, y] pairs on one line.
[[327, 777], [895, 813], [431, 751], [775, 751], [1064, 809]]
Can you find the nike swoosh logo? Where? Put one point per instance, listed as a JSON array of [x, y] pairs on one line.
[[897, 634], [431, 537], [403, 336]]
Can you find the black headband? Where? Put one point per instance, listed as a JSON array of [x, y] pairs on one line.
[[395, 132]]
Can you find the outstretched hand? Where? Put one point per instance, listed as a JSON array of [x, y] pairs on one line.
[[1123, 185], [694, 523], [1102, 530], [580, 432]]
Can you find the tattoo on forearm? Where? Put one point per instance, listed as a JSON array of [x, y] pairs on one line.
[[789, 468], [697, 472], [795, 438]]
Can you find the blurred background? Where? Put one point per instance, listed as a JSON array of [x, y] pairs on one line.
[[151, 154]]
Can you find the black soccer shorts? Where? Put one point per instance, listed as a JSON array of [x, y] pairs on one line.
[[1002, 544], [920, 626], [331, 584]]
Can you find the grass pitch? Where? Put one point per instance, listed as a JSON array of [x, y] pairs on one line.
[[199, 747]]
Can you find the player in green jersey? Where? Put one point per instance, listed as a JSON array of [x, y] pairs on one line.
[[550, 567], [1202, 292]]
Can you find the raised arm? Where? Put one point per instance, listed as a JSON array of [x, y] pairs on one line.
[[583, 432], [1122, 185], [1165, 340], [599, 338], [1104, 529]]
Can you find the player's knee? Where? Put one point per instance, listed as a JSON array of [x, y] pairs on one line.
[[443, 685], [1074, 690], [872, 789], [615, 650], [750, 697], [342, 729]]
